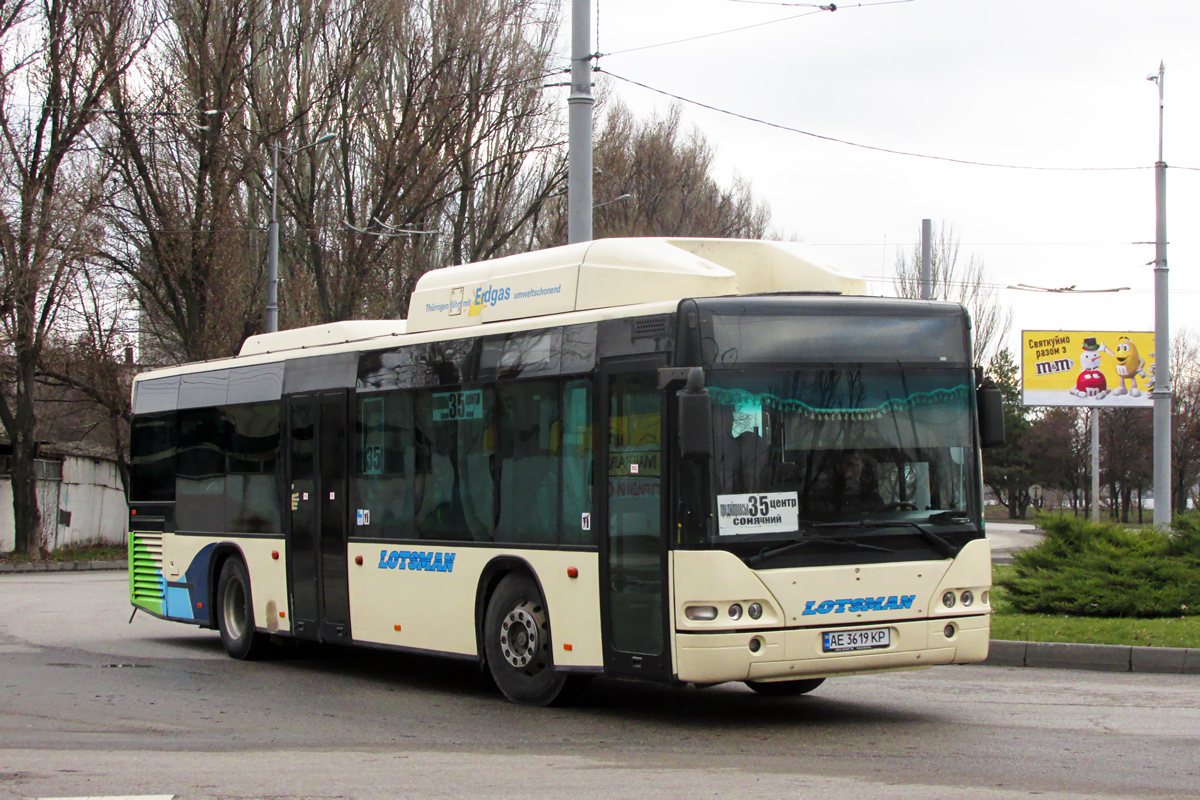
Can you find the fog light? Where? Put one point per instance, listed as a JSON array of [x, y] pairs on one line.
[[735, 611], [755, 611], [948, 599], [700, 612], [949, 632], [967, 598], [755, 644]]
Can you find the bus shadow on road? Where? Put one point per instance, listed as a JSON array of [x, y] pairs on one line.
[[733, 706], [728, 706]]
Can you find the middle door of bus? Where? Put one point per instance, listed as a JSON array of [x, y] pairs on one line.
[[633, 549], [317, 522]]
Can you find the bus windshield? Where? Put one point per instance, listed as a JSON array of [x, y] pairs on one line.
[[832, 451]]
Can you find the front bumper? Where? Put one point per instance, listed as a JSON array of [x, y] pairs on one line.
[[793, 653]]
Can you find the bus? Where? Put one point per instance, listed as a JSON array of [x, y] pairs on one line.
[[690, 461]]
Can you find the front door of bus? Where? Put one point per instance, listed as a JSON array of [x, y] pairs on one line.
[[317, 570], [633, 549]]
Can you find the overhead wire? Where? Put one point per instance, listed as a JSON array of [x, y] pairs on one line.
[[862, 146], [825, 7], [710, 35]]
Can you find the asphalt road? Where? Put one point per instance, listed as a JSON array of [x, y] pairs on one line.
[[93, 706]]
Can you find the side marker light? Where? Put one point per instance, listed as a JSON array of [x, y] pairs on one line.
[[572, 572]]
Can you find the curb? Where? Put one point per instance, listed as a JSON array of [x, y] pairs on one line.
[[26, 567], [1099, 657]]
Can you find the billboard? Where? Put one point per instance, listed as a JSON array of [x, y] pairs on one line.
[[1108, 369]]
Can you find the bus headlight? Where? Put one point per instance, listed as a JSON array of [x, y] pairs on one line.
[[700, 612], [735, 611], [967, 598], [755, 610], [948, 599]]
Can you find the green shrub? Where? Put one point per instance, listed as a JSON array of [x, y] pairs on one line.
[[1103, 570]]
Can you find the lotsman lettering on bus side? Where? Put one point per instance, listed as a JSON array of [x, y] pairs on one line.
[[416, 560]]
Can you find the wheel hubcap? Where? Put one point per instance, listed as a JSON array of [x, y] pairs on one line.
[[520, 638], [234, 607]]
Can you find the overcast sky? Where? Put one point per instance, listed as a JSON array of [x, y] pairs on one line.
[[1054, 83]]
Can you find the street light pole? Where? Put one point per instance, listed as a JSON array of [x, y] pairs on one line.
[[271, 317], [1162, 332]]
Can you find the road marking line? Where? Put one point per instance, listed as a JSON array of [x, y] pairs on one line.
[[115, 797]]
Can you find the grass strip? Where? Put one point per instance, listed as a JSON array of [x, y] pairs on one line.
[[1168, 632], [73, 552]]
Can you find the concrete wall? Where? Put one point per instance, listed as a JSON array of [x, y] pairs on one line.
[[90, 492]]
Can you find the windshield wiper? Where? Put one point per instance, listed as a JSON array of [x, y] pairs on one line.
[[768, 552], [941, 545]]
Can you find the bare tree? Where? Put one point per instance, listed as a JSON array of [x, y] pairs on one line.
[[182, 224], [1058, 448], [1185, 420], [669, 177], [442, 129], [92, 370], [1126, 458], [59, 58], [962, 279]]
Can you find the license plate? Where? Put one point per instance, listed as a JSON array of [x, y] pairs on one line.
[[869, 639]]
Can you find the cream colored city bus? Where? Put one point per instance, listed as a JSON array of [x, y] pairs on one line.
[[680, 460]]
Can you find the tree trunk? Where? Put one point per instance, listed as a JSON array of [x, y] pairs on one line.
[[26, 515]]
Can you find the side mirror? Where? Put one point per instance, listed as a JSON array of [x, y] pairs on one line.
[[990, 405], [695, 418]]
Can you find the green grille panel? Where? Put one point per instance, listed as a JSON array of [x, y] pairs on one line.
[[146, 585]]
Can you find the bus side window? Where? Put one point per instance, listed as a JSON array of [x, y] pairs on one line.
[[200, 474], [384, 466], [527, 459], [577, 478], [456, 437], [251, 485], [152, 458]]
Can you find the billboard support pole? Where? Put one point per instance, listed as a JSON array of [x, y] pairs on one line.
[[1162, 334], [1095, 464], [926, 259]]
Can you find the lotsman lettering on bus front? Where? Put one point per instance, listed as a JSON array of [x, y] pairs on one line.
[[857, 604]]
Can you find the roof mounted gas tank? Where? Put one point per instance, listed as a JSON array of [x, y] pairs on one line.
[[607, 273]]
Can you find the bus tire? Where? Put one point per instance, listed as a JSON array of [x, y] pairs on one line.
[[235, 613], [785, 688], [516, 642]]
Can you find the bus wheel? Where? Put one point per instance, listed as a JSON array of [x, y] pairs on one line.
[[235, 613], [785, 688], [516, 641]]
